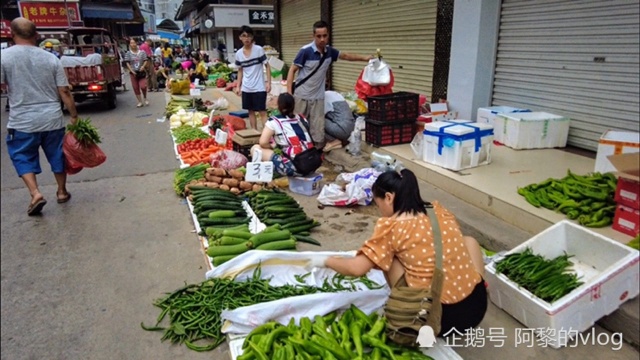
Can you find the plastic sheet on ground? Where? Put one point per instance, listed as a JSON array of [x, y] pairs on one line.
[[357, 190], [281, 267]]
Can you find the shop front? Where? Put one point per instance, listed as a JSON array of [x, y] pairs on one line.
[[52, 18]]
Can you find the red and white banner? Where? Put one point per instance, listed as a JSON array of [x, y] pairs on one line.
[[50, 14]]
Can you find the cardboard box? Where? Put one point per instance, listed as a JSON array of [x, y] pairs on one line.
[[609, 271], [457, 145], [628, 189], [533, 130], [488, 115], [246, 137], [614, 142], [627, 220]]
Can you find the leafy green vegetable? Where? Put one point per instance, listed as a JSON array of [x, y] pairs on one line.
[[186, 133], [84, 131], [183, 176]]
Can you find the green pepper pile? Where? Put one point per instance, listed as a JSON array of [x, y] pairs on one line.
[[186, 133], [194, 311], [84, 131], [549, 280], [589, 199], [635, 242], [326, 337]]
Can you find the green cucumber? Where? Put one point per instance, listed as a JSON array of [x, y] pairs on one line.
[[307, 239], [227, 249], [222, 214], [219, 260], [238, 233], [301, 228], [263, 238], [293, 224], [289, 244], [228, 240]]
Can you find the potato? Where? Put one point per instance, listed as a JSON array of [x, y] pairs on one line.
[[256, 187], [213, 178], [231, 182], [225, 187], [217, 172], [213, 185], [235, 190], [244, 185], [236, 174]]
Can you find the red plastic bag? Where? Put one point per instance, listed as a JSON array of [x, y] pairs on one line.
[[78, 156], [364, 89], [236, 122]]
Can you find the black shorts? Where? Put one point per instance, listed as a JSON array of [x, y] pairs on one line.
[[256, 101], [465, 314]]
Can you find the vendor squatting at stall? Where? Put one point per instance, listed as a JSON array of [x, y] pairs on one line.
[[402, 245], [339, 120]]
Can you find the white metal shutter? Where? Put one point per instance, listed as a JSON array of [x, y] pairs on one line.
[[404, 31], [574, 58], [296, 22]]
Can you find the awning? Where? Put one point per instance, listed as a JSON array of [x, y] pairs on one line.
[[99, 11], [153, 37], [168, 35]]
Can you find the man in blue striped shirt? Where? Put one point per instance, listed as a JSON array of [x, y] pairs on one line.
[[309, 90]]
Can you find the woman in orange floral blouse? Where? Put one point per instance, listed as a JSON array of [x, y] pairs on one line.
[[402, 245]]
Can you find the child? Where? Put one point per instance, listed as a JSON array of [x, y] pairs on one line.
[[250, 59], [402, 247], [287, 132]]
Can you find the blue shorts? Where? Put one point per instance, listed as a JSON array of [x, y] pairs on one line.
[[24, 150], [283, 166]]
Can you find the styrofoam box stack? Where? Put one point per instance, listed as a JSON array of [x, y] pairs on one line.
[[457, 145], [608, 269], [488, 115], [615, 142], [533, 130]]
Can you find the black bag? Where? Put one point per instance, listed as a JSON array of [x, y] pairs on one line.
[[141, 74], [309, 160], [297, 83]]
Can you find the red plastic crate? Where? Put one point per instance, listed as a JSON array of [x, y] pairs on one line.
[[380, 133], [399, 106]]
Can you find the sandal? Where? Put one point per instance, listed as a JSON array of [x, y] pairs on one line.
[[64, 199], [36, 208], [328, 148], [139, 105], [146, 102]]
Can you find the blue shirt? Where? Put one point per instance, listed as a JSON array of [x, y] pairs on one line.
[[308, 59]]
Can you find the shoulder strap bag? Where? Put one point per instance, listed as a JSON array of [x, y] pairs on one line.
[[300, 82], [409, 309], [307, 161]]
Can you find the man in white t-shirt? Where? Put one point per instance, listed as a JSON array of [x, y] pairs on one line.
[[251, 80]]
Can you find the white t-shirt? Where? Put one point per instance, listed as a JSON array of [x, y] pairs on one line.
[[252, 71], [157, 51]]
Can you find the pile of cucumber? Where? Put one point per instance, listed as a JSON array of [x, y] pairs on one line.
[[278, 208], [225, 244], [215, 207]]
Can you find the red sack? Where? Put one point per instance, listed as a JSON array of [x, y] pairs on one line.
[[236, 122], [78, 156], [364, 89]]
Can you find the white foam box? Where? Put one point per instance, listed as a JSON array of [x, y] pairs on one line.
[[608, 269], [614, 142], [306, 185], [533, 130], [488, 115], [457, 145]]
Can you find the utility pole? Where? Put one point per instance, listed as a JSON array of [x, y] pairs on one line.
[[66, 9]]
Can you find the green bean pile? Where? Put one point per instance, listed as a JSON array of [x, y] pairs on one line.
[[194, 311], [186, 133], [547, 279]]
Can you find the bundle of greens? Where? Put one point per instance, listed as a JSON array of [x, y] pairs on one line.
[[84, 131], [184, 176]]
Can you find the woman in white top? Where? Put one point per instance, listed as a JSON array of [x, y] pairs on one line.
[[287, 132], [137, 64]]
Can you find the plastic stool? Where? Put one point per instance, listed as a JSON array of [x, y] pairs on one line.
[[240, 113]]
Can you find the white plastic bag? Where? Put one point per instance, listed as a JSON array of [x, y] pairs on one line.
[[355, 139], [417, 146], [357, 190], [376, 73], [281, 267]]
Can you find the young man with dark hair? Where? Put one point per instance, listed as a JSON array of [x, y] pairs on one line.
[[311, 64], [250, 60]]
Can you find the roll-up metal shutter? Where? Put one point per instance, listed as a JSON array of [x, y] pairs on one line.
[[574, 58], [404, 31], [296, 21]]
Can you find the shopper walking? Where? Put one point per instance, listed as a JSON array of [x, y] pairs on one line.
[[147, 47], [250, 60], [311, 65], [36, 84], [136, 60]]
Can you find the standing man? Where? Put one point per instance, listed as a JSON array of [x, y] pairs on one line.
[[48, 46], [251, 82], [147, 47], [313, 62], [37, 82]]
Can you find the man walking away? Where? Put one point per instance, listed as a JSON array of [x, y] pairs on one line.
[[37, 82], [250, 59], [311, 64]]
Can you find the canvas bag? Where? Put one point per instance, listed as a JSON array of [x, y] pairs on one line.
[[409, 309], [307, 161]]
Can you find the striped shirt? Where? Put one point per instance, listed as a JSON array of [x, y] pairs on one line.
[[252, 73]]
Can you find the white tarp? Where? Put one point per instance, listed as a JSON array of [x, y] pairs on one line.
[[73, 61], [281, 267]]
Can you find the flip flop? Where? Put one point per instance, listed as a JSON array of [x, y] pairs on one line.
[[36, 208], [332, 147], [64, 199]]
